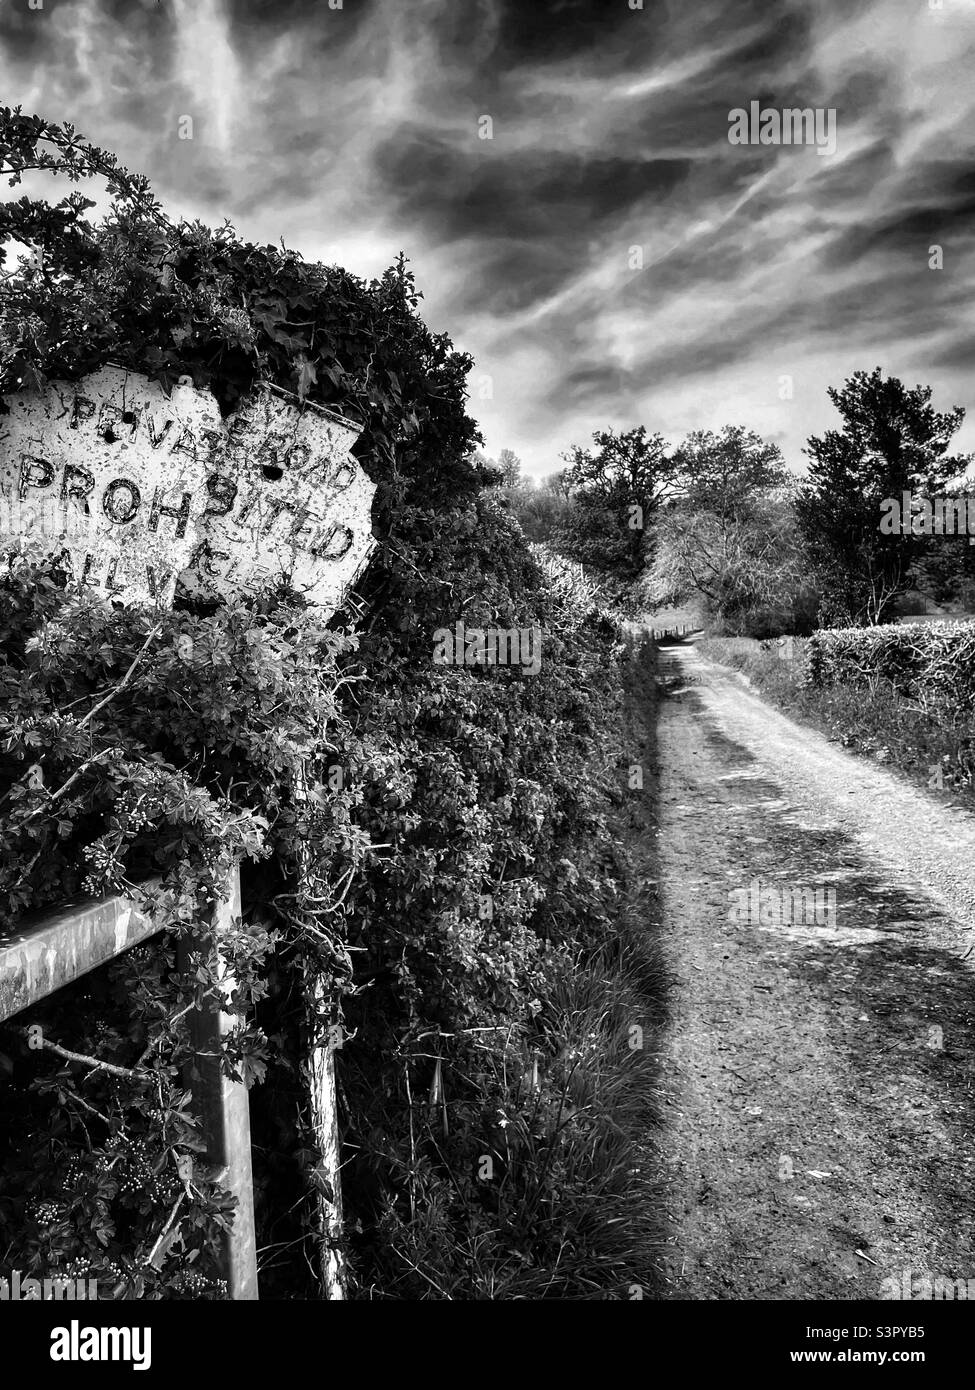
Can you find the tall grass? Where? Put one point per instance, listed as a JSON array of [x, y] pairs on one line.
[[532, 1174], [531, 1171]]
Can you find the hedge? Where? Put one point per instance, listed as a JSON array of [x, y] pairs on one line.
[[925, 661]]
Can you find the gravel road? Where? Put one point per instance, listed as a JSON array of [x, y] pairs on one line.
[[819, 1073]]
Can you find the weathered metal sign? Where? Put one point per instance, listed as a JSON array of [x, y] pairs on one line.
[[286, 498], [145, 491], [111, 470]]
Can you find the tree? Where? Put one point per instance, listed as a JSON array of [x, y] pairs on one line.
[[557, 483], [540, 510], [945, 573], [724, 473], [616, 490], [510, 465], [727, 541], [744, 570], [892, 441]]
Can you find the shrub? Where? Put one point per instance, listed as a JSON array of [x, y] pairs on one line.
[[163, 744], [455, 785], [931, 662]]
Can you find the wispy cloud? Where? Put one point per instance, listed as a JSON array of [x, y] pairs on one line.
[[354, 133]]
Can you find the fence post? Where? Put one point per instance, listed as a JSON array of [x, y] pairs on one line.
[[224, 1106], [326, 1179], [319, 1069]]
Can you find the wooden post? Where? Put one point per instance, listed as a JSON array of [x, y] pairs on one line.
[[326, 1178], [224, 1107], [319, 1067]]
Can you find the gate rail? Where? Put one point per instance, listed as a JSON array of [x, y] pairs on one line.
[[40, 958]]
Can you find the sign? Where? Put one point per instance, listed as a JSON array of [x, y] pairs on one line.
[[146, 493], [110, 470], [287, 497]]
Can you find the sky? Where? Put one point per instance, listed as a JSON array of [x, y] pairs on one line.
[[560, 175]]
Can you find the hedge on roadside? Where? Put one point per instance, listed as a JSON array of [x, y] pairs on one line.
[[926, 661], [468, 901]]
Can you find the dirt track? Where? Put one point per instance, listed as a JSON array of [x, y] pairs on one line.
[[820, 1076]]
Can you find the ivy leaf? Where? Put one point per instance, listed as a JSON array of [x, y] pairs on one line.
[[307, 376], [253, 1069]]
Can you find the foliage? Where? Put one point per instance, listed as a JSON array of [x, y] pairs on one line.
[[139, 742], [945, 568], [541, 510], [727, 543], [504, 800], [892, 441], [707, 521], [930, 662], [728, 474], [510, 466], [569, 582], [742, 568], [530, 1176], [146, 752], [556, 484], [616, 489], [505, 1155]]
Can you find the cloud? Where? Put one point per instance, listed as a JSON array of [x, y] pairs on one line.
[[355, 132]]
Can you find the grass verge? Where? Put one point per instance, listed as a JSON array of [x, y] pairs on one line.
[[531, 1172], [933, 746]]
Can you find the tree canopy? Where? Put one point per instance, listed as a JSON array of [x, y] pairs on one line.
[[892, 441]]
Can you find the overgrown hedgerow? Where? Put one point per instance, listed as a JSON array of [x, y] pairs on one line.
[[452, 875], [155, 748], [506, 1154]]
